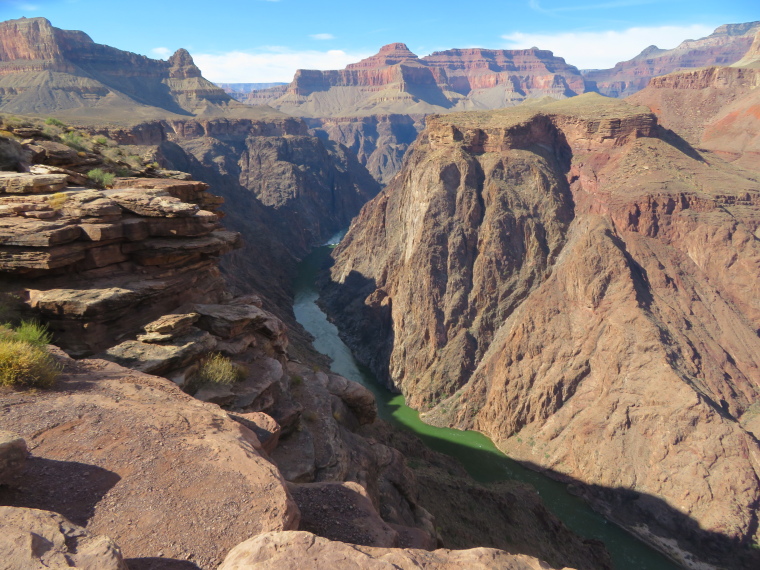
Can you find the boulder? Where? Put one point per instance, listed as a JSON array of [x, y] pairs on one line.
[[299, 550], [161, 358], [342, 511], [264, 426], [32, 539], [22, 183], [358, 398], [152, 203], [13, 454], [174, 324], [131, 456], [228, 321]]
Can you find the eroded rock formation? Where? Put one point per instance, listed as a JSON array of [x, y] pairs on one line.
[[580, 285], [395, 80], [46, 70], [715, 108], [726, 45], [292, 550]]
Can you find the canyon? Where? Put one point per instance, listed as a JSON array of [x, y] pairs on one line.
[[127, 462], [574, 276], [579, 284]]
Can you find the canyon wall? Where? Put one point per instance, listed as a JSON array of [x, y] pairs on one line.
[[726, 45], [580, 285], [45, 70], [715, 108]]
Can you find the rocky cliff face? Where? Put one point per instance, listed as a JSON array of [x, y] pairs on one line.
[[378, 141], [395, 80], [726, 45], [581, 286], [46, 70], [132, 272], [371, 106], [715, 108]]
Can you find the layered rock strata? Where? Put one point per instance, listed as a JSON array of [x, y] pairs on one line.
[[726, 45], [395, 80], [285, 190], [581, 286], [46, 70], [715, 108], [83, 260]]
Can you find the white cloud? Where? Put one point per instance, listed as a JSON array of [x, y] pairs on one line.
[[599, 50], [269, 64], [322, 36], [161, 52]]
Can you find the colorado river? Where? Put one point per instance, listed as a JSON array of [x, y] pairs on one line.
[[627, 552]]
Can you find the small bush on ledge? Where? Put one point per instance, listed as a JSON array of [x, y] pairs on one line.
[[100, 177], [24, 360], [217, 369]]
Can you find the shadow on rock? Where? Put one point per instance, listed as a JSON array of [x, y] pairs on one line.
[[160, 564], [66, 487]]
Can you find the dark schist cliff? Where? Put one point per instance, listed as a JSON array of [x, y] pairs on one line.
[[131, 273], [578, 283]]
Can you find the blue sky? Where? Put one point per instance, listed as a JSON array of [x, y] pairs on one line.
[[267, 40]]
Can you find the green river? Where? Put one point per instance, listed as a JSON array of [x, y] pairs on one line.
[[476, 452]]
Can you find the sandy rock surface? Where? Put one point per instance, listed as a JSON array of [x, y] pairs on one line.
[[130, 456]]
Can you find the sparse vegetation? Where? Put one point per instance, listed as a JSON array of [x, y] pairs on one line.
[[57, 200], [73, 140], [24, 361], [52, 121], [101, 178], [32, 332], [217, 369], [296, 379], [101, 140]]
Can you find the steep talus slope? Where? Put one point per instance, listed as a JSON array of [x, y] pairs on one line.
[[716, 108], [46, 70], [726, 45], [580, 285]]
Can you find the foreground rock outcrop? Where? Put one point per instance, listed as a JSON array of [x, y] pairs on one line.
[[292, 550], [580, 285], [130, 456], [33, 539]]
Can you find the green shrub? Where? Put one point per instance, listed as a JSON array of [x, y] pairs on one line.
[[73, 140], [33, 333], [101, 140], [217, 369], [23, 364], [100, 177], [54, 122]]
